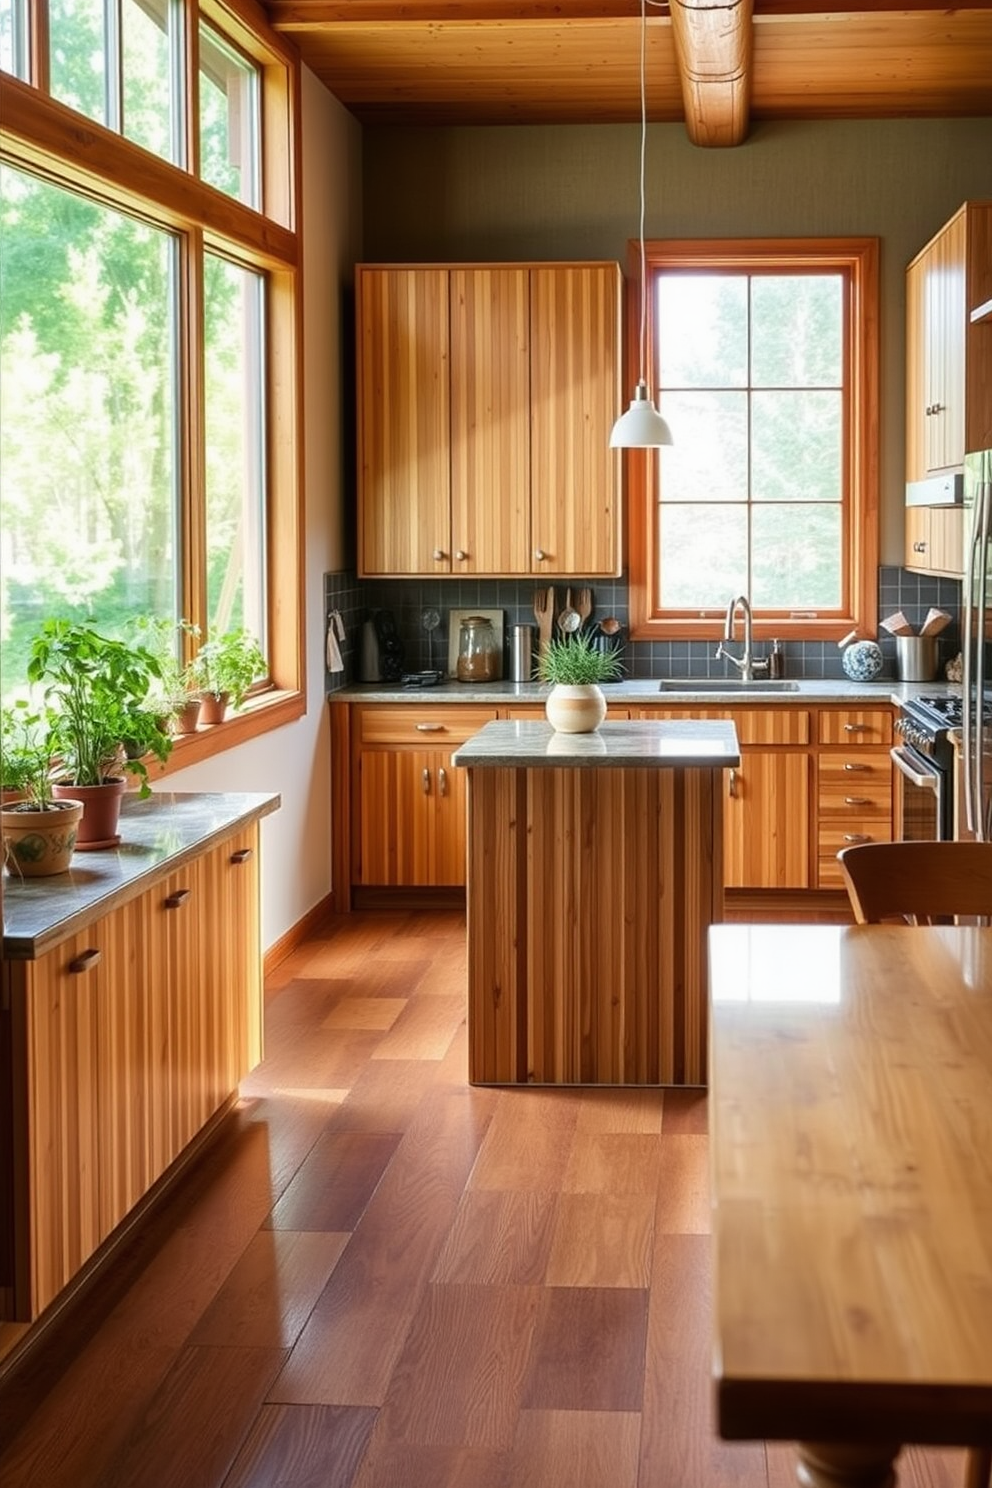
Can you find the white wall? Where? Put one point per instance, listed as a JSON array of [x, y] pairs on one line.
[[295, 760]]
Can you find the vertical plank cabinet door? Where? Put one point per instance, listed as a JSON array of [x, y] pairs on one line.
[[490, 419], [401, 794], [403, 421], [946, 320], [766, 821], [575, 398], [233, 882]]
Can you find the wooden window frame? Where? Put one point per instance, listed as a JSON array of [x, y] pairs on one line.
[[47, 139], [857, 258]]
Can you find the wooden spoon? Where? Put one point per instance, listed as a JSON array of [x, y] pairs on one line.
[[544, 613], [584, 605]]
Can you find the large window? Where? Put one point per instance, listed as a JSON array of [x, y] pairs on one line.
[[762, 359], [149, 329]]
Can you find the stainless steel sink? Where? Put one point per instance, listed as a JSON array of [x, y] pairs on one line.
[[726, 684]]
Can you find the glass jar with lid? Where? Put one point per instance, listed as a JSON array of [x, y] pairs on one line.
[[478, 650]]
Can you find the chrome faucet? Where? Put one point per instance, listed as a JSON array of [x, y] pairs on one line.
[[745, 663]]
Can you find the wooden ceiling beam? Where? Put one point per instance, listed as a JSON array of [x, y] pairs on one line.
[[714, 45]]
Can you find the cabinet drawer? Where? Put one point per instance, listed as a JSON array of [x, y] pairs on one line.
[[780, 725], [855, 798], [421, 726], [831, 838], [854, 727], [856, 774]]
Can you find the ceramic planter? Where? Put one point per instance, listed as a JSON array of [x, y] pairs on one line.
[[102, 809], [40, 841], [575, 709]]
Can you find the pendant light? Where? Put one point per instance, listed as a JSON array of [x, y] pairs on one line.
[[642, 426]]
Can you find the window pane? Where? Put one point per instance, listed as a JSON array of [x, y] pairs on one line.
[[702, 330], [79, 56], [796, 557], [796, 331], [235, 424], [702, 563], [14, 37], [708, 461], [150, 41], [229, 114], [796, 446], [88, 430]]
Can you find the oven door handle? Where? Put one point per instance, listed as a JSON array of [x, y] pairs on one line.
[[926, 780]]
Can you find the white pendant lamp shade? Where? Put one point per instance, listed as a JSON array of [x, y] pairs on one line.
[[642, 426]]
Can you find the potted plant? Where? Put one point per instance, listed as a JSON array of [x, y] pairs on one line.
[[574, 665], [39, 833], [172, 695], [97, 689], [224, 668]]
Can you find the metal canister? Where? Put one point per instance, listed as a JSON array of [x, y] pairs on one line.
[[521, 653]]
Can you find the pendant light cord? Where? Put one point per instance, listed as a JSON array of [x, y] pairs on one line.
[[644, 140]]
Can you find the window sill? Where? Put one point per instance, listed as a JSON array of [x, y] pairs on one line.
[[269, 711]]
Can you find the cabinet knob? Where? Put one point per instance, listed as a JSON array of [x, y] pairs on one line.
[[919, 547], [439, 553], [242, 855], [461, 556], [539, 555], [426, 782], [173, 901], [85, 961]]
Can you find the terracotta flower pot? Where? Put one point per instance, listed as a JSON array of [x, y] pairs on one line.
[[102, 809], [575, 709], [39, 842], [188, 717], [213, 706]]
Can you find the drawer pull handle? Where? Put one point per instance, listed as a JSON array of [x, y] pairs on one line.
[[430, 728], [85, 961], [174, 901], [856, 837], [242, 855], [857, 801], [859, 766], [442, 781], [732, 783], [426, 780], [855, 728]]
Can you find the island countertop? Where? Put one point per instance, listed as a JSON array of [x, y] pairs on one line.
[[660, 744], [158, 835]]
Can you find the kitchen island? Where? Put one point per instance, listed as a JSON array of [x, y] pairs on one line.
[[594, 872]]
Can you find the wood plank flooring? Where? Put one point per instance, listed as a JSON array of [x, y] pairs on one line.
[[380, 1277]]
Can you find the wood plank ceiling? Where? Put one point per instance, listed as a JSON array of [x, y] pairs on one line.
[[717, 65]]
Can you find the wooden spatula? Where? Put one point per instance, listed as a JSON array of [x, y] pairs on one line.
[[544, 614], [583, 604]]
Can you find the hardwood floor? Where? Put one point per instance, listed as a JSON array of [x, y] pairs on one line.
[[380, 1277]]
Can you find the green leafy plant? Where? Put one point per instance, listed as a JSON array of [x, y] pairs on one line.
[[172, 688], [576, 661], [228, 663], [26, 751], [97, 689]]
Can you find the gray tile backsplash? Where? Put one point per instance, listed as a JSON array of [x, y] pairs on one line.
[[409, 599]]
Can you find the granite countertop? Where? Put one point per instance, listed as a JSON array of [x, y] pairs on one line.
[[651, 689], [684, 743], [158, 835]]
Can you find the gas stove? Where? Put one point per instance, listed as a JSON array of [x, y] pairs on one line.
[[928, 722]]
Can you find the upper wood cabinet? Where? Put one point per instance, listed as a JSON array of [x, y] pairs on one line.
[[486, 398], [948, 353]]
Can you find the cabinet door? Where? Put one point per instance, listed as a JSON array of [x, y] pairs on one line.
[[935, 540], [403, 421], [946, 324], [490, 421], [917, 381], [766, 822], [575, 398], [403, 838]]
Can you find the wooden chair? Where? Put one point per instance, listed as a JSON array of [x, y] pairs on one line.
[[925, 883]]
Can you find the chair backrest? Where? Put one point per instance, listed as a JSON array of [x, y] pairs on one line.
[[922, 882]]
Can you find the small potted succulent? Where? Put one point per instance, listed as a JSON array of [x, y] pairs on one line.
[[39, 833], [575, 666], [224, 669], [101, 727]]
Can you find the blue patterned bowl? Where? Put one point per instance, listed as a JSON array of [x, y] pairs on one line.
[[863, 661]]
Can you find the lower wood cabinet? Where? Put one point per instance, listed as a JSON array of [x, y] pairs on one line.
[[120, 1044], [854, 785]]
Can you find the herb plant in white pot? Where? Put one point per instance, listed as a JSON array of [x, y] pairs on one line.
[[574, 665]]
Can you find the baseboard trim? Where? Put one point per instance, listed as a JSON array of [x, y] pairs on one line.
[[313, 920], [412, 897]]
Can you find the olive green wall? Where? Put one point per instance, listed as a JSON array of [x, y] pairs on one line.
[[555, 192]]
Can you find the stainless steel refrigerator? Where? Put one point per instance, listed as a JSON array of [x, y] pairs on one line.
[[976, 633]]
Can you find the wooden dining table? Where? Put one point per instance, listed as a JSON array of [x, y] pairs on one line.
[[851, 1171]]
